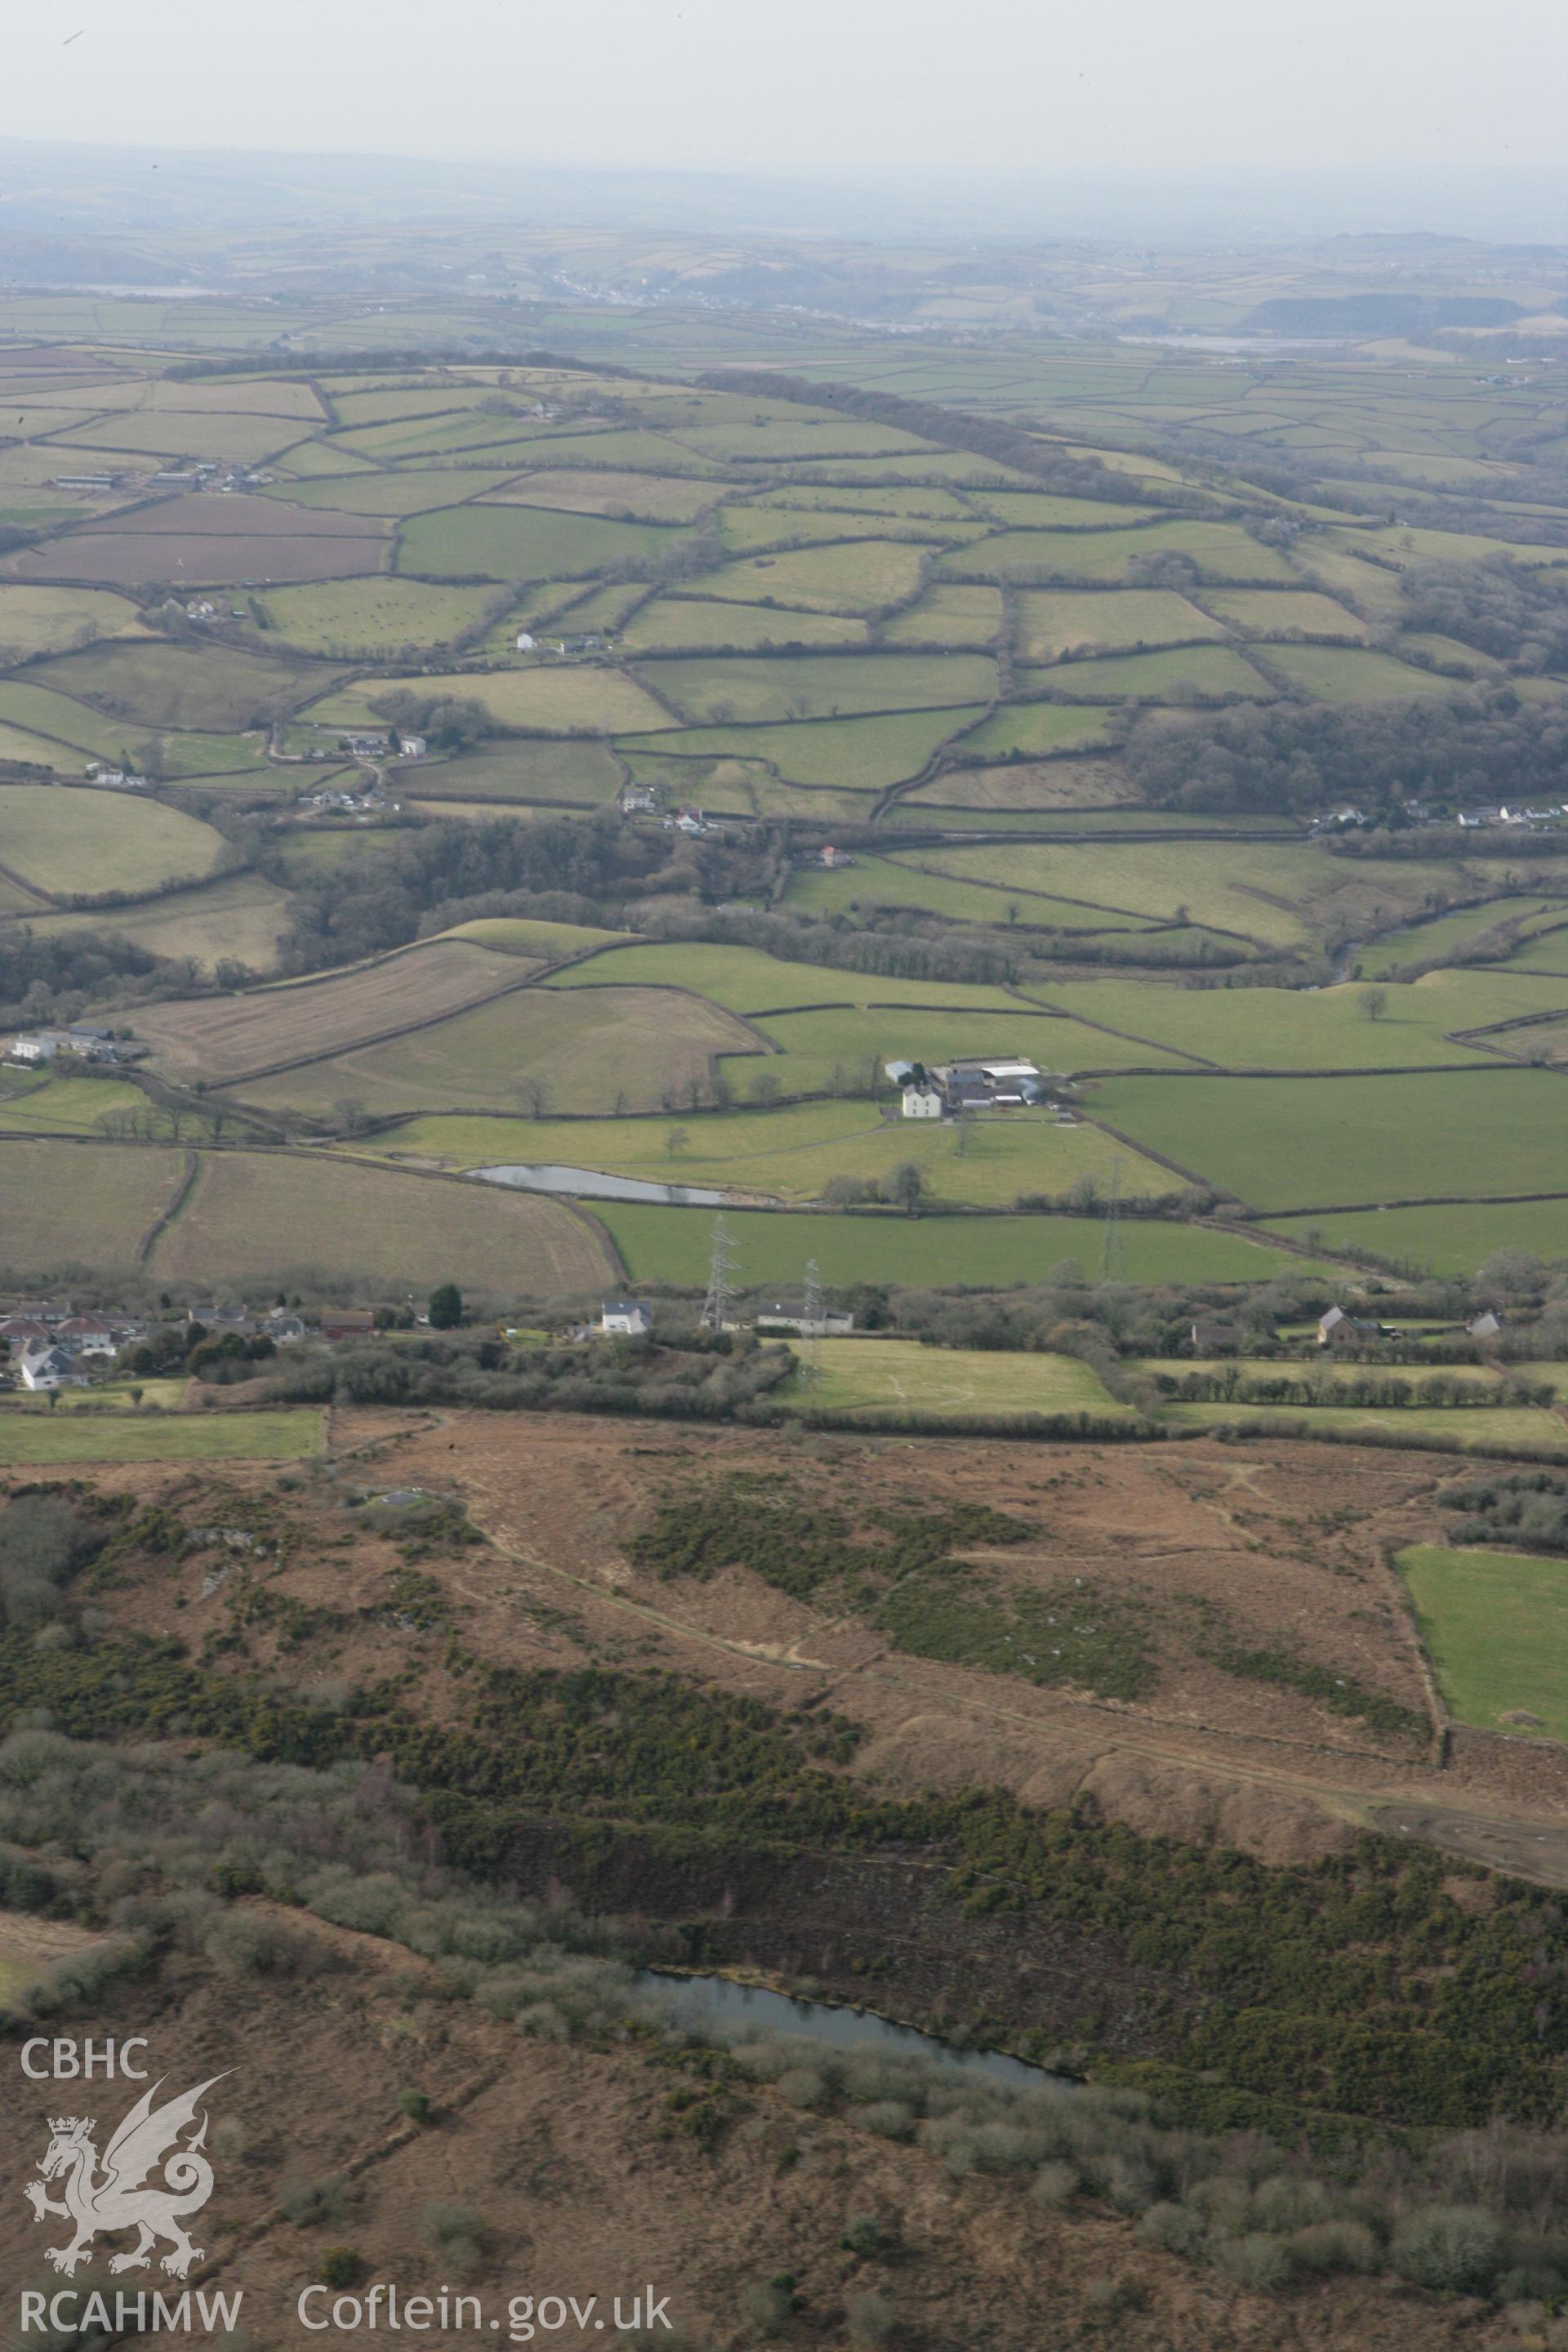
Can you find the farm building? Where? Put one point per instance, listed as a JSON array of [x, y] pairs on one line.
[[1213, 1337], [347, 1323], [922, 1102], [790, 1315], [411, 746], [34, 1047], [1001, 1084], [623, 1319], [1338, 1329]]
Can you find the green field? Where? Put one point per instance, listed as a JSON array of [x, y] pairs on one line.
[[1352, 674], [212, 688], [1282, 612], [587, 1049], [863, 575], [1294, 1143], [792, 1152], [1181, 674], [1532, 1427], [946, 614], [1057, 621], [571, 773], [281, 1436], [1496, 1627], [69, 844], [1448, 1241], [65, 1106], [378, 617], [773, 1246], [81, 1204], [504, 542], [858, 754], [35, 620], [1033, 729], [822, 686], [1221, 550], [872, 1376], [675, 623], [599, 701], [241, 917]]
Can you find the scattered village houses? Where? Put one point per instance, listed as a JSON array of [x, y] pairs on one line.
[[1338, 1329], [48, 1367]]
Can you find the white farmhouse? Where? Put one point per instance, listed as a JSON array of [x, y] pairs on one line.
[[922, 1102], [623, 1319]]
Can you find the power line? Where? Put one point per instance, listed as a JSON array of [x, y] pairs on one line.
[[719, 1306], [813, 1314]]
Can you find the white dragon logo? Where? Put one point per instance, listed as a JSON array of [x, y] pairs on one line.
[[122, 2198]]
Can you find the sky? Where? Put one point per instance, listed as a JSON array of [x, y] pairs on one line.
[[806, 88]]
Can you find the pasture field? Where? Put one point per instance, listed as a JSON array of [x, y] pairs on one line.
[[551, 701], [917, 505], [1282, 612], [1184, 673], [773, 1245], [1463, 1428], [256, 1215], [892, 881], [215, 1041], [1447, 935], [862, 575], [35, 620], [38, 751], [1277, 893], [1496, 1628], [947, 615], [70, 843], [1042, 510], [363, 492], [528, 936], [1024, 787], [837, 1052], [573, 773], [241, 918], [1057, 621], [792, 1154], [1220, 550], [224, 759], [821, 687], [622, 497], [1353, 674], [1299, 1143], [873, 1376], [586, 1048], [286, 1434], [854, 754], [1294, 1029], [504, 542], [1454, 1240], [65, 1106], [39, 710], [1033, 730], [86, 1204], [212, 688], [223, 437], [377, 617], [748, 981], [676, 623]]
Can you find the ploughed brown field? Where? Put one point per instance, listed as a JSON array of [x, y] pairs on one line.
[[218, 1040]]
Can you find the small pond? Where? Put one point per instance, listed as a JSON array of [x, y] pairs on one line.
[[718, 2005], [593, 1184]]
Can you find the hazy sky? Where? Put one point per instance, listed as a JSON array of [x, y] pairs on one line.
[[805, 87]]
